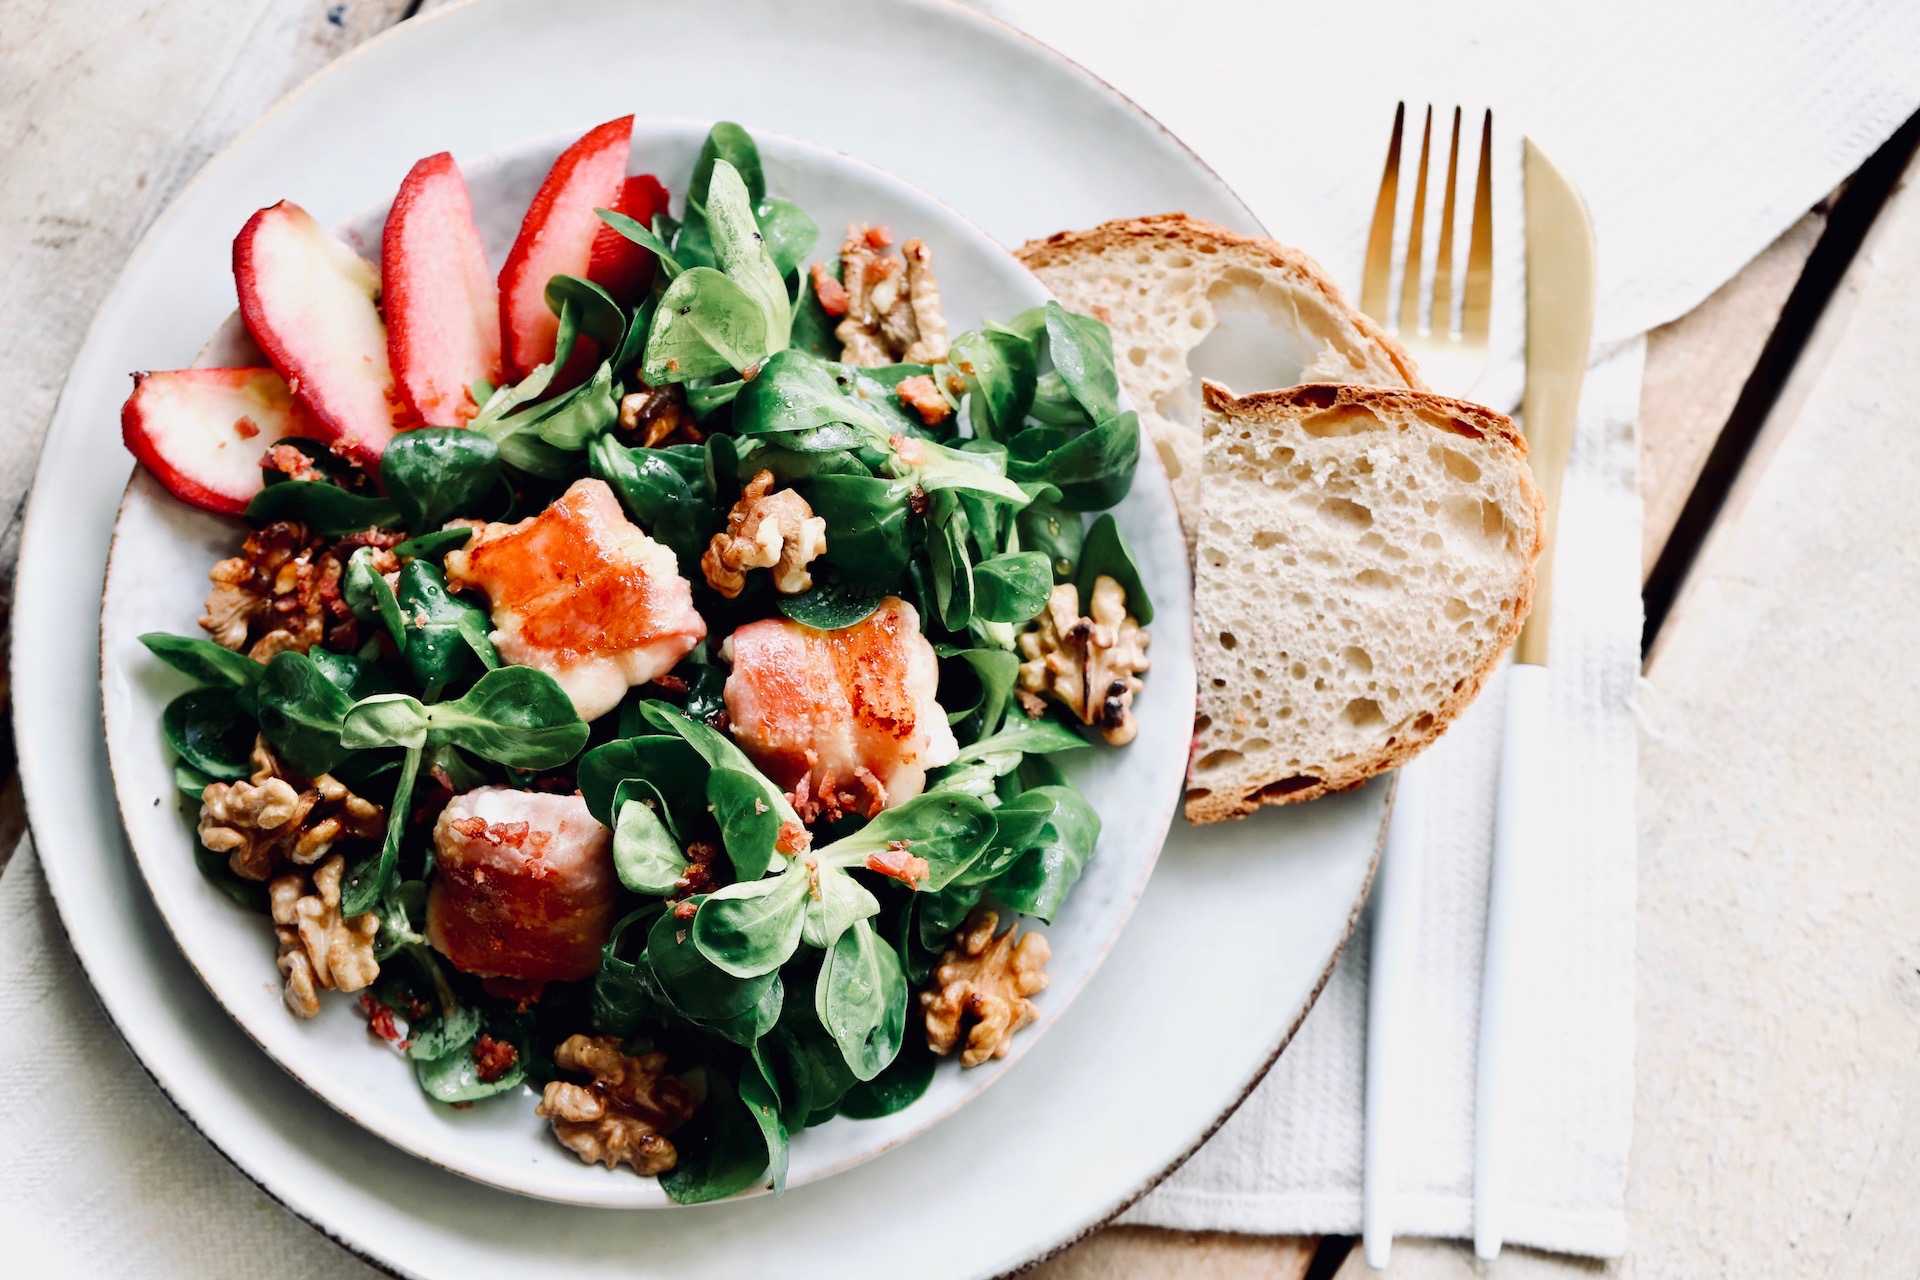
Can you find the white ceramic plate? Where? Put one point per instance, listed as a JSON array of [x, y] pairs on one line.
[[157, 577], [1232, 939]]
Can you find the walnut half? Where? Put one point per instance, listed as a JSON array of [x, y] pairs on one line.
[[890, 307], [988, 979], [624, 1113], [767, 529], [283, 590], [276, 816], [1091, 665], [319, 949]]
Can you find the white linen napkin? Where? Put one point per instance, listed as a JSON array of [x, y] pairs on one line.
[[99, 1175]]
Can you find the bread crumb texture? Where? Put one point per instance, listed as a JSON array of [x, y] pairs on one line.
[[1364, 557], [1160, 284]]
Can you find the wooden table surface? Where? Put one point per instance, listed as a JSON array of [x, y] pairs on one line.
[[1777, 1125]]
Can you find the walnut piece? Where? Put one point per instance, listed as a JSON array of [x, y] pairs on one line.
[[767, 529], [319, 950], [277, 816], [1092, 664], [889, 306], [988, 979], [283, 590], [624, 1113], [659, 416]]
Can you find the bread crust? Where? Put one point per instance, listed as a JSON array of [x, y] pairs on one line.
[[1206, 238], [1438, 413]]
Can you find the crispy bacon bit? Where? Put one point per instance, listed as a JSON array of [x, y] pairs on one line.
[[379, 1018], [831, 293], [494, 1058], [292, 462], [685, 910], [698, 877], [522, 995], [512, 834], [245, 428], [917, 500], [897, 862], [793, 838], [879, 237], [920, 395], [671, 683], [827, 798], [907, 449]]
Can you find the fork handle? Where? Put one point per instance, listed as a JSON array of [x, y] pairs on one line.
[[1391, 967], [1518, 819]]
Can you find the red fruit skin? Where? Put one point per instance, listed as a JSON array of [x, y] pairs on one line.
[[185, 427], [556, 237], [618, 265], [442, 310], [319, 327]]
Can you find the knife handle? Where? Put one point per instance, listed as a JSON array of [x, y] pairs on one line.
[[1517, 822], [1391, 967]]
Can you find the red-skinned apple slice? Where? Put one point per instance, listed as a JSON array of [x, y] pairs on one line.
[[618, 265], [310, 303], [556, 238], [201, 432], [442, 311]]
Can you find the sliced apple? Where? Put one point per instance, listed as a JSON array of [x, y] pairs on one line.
[[202, 432], [311, 303], [442, 311], [618, 265], [556, 238]]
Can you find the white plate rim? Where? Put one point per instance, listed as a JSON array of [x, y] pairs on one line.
[[31, 771]]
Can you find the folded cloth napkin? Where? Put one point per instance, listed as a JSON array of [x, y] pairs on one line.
[[1694, 150], [99, 1175]]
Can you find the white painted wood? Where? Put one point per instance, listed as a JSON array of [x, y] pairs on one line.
[[1695, 369], [106, 110]]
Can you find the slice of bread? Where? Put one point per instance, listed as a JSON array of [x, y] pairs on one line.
[[1162, 285], [1364, 558]]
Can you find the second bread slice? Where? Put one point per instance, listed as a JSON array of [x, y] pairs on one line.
[[1364, 558]]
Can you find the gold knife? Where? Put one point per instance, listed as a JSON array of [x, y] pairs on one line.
[[1560, 291]]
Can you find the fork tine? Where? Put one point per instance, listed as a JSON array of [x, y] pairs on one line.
[[1476, 313], [1410, 284], [1442, 322], [1373, 282]]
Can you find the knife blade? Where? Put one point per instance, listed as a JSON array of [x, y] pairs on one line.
[[1560, 294], [1560, 299]]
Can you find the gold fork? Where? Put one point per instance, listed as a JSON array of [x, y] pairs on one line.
[[1451, 360]]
